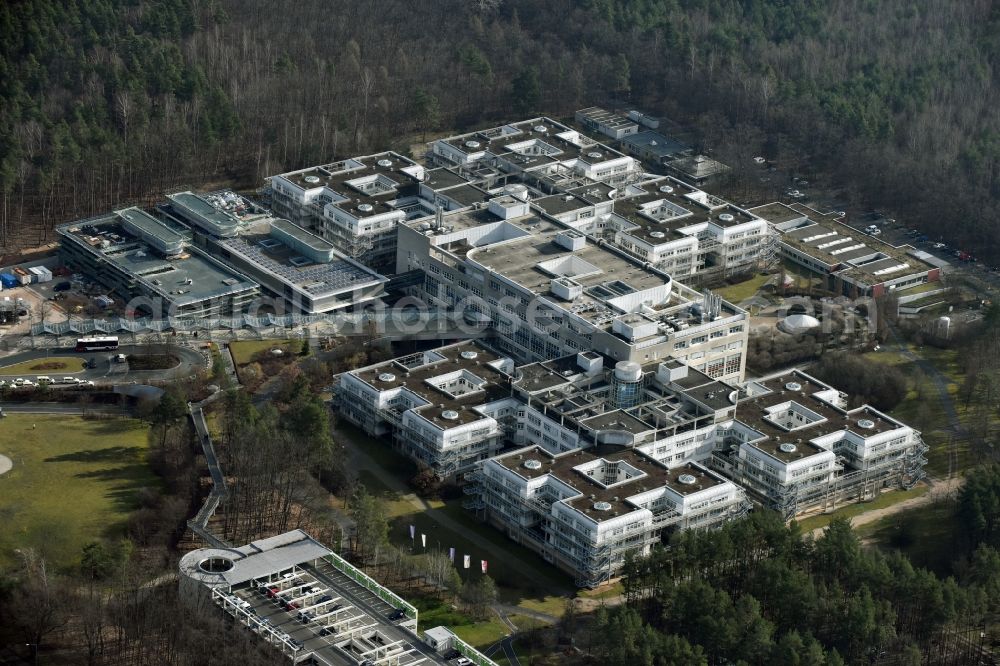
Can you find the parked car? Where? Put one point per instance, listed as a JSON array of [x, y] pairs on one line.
[[397, 614]]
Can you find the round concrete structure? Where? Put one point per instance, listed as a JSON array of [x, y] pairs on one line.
[[5, 464]]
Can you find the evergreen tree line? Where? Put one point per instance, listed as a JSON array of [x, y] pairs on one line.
[[757, 592]]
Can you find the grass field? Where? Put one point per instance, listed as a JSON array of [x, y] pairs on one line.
[[883, 501], [741, 291], [74, 480], [66, 365], [923, 409], [244, 350], [924, 534]]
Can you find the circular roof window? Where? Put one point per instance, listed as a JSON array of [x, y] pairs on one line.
[[867, 424], [787, 447], [541, 128], [384, 163], [311, 179], [386, 377], [216, 565], [602, 506], [594, 154], [450, 415], [468, 354], [666, 188], [471, 144], [687, 479], [365, 208], [532, 464], [657, 234], [793, 386]]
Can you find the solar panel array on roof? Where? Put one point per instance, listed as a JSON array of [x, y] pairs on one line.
[[313, 278]]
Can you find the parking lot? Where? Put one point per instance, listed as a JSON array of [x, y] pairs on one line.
[[320, 611]]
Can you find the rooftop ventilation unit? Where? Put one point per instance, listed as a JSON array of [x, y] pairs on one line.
[[687, 479], [532, 464], [311, 179], [299, 261], [667, 189], [384, 163], [793, 386], [594, 154], [387, 377], [472, 144], [787, 447], [449, 415], [726, 217], [365, 208], [541, 128], [867, 424], [468, 354], [602, 506], [657, 234]]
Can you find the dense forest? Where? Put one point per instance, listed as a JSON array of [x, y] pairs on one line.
[[105, 102], [758, 592]]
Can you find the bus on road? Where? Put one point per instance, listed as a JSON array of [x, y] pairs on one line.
[[97, 344]]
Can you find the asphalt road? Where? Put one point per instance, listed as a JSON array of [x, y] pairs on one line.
[[107, 371]]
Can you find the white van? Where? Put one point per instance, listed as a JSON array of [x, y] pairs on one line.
[[69, 380]]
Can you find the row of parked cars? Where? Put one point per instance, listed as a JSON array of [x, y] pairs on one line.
[[42, 380]]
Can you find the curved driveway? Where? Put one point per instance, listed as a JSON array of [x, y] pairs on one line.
[[107, 371]]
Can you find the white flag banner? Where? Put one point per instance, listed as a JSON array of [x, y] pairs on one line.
[[468, 561], [423, 540], [482, 563], [413, 531]]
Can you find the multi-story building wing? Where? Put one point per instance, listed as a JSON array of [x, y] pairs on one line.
[[138, 256], [538, 150], [851, 263], [584, 511], [355, 204], [432, 404], [549, 291], [796, 446]]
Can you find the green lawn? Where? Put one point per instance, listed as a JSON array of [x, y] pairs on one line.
[[924, 534], [244, 350], [741, 291], [922, 407], [883, 501], [69, 365], [74, 480], [481, 634]]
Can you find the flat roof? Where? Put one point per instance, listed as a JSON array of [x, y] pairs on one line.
[[184, 278], [387, 176], [289, 266], [307, 238], [655, 142], [150, 225], [798, 387], [220, 221], [670, 207], [654, 475], [466, 356]]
